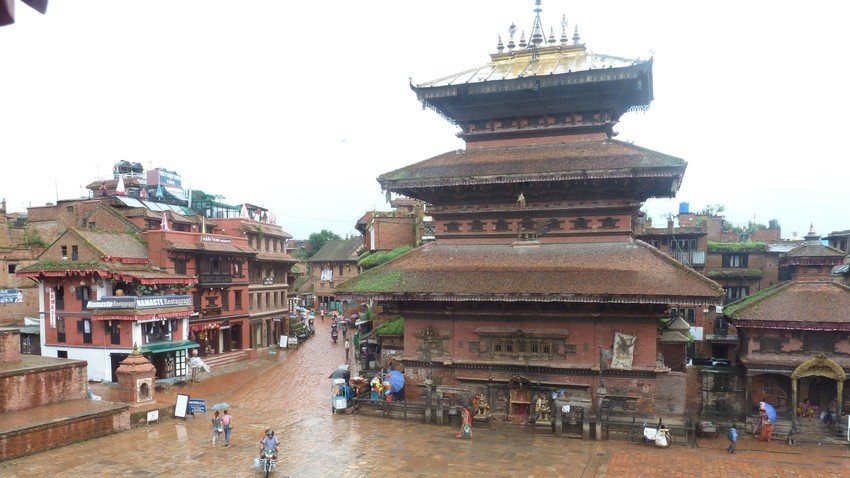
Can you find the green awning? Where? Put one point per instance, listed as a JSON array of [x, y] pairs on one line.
[[158, 347]]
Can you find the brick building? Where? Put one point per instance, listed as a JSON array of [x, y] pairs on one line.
[[535, 276], [220, 295], [96, 300], [334, 263], [795, 336], [268, 276]]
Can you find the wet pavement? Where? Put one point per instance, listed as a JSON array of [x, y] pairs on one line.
[[291, 392]]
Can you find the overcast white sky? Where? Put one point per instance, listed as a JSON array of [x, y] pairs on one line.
[[299, 106]]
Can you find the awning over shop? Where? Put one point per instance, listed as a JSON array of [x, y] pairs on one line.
[[362, 321], [168, 346]]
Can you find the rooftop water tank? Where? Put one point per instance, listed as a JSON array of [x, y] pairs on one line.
[[684, 208]]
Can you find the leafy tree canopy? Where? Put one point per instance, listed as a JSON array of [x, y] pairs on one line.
[[318, 239]]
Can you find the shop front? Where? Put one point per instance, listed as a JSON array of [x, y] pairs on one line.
[[169, 357]]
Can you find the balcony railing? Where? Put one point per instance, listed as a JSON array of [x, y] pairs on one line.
[[215, 278], [693, 258]]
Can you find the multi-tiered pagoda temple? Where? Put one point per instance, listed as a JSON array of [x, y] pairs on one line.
[[535, 276]]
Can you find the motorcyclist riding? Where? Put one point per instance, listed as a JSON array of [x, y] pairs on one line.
[[269, 442]]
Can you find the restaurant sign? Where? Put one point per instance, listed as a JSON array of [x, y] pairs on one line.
[[147, 302], [216, 239]]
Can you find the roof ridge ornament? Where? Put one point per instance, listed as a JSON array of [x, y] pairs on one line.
[[576, 37], [536, 37], [564, 39], [512, 31]]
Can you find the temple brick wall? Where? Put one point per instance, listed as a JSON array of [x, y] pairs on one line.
[[671, 393], [31, 388], [40, 438]]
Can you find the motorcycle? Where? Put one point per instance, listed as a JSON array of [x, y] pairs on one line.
[[659, 435], [267, 461]]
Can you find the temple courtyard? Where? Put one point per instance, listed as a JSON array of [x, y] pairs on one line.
[[290, 391]]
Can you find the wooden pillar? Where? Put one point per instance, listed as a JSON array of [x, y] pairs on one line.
[[793, 401], [839, 400], [748, 396]]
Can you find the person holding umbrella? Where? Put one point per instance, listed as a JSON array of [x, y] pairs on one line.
[[768, 418]]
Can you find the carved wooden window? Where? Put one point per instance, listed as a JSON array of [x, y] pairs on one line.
[[535, 348], [579, 223], [609, 223], [497, 347], [453, 227], [474, 347], [547, 349], [570, 349], [553, 225], [520, 347], [509, 347], [819, 342], [502, 225], [770, 344], [476, 225]]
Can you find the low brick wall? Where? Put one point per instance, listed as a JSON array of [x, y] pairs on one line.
[[41, 385], [53, 435]]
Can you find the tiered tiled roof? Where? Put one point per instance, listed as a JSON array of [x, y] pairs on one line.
[[559, 162], [628, 272]]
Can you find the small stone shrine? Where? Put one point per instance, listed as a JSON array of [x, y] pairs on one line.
[[136, 377]]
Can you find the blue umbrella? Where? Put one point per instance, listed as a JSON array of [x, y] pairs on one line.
[[770, 411], [396, 379], [220, 406]]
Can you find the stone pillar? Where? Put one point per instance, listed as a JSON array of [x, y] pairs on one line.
[[559, 420], [10, 346], [439, 407], [428, 391], [585, 424], [136, 379]]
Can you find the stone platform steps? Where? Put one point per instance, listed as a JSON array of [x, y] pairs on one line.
[[808, 430], [227, 357]]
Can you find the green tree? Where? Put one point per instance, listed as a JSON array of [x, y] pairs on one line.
[[318, 239]]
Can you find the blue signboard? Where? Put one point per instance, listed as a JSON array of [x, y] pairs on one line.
[[196, 405], [11, 296]]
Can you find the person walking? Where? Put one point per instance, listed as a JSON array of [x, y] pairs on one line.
[[465, 423], [226, 421], [733, 439], [216, 427], [347, 346]]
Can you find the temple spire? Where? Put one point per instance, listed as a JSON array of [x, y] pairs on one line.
[[576, 37]]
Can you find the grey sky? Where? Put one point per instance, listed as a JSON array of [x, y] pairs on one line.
[[299, 106]]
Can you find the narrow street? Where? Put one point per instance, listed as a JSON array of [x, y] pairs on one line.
[[291, 392]]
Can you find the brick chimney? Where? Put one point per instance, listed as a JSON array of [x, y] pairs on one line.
[[10, 346], [136, 379]]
